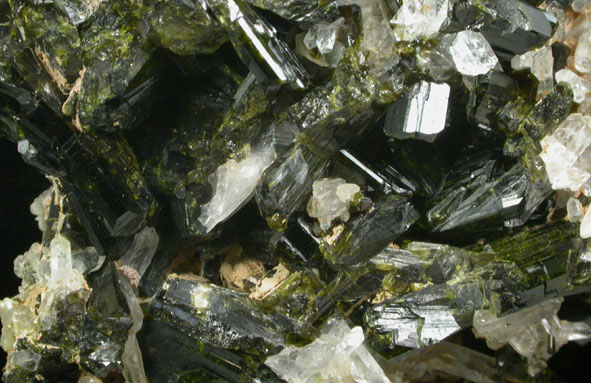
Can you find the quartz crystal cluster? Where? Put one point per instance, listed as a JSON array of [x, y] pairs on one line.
[[299, 191]]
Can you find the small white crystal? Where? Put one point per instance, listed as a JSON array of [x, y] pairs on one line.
[[585, 230], [331, 198], [541, 63], [234, 184], [338, 355], [39, 207], [27, 149], [583, 52], [419, 18], [566, 152], [574, 208], [579, 86], [471, 54], [200, 296]]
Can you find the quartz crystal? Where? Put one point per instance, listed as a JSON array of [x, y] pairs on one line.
[[541, 63], [528, 330], [580, 86], [234, 184], [419, 18], [574, 209], [330, 200], [586, 224], [338, 355], [566, 153], [583, 53], [471, 54]]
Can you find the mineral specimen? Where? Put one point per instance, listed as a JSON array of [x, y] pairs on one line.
[[299, 191]]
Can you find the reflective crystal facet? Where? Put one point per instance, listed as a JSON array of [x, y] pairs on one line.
[[471, 54], [419, 18]]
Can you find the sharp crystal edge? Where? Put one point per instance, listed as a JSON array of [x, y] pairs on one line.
[[295, 191]]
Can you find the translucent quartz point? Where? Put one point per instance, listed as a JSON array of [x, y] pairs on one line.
[[331, 198], [541, 63], [528, 330], [323, 36], [234, 184], [583, 53], [566, 152], [471, 54], [338, 355], [60, 261], [574, 209], [419, 18], [140, 254], [579, 86], [420, 113]]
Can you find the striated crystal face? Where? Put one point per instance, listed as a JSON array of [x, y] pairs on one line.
[[566, 153]]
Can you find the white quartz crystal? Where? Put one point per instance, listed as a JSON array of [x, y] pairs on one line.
[[39, 207], [541, 63], [378, 37], [585, 230], [581, 5], [528, 330], [580, 86], [338, 355], [60, 261], [566, 152], [18, 321], [574, 208], [234, 184], [583, 52], [419, 18], [471, 54], [331, 198]]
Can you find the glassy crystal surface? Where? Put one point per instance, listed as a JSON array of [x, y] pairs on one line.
[[419, 19], [330, 200], [470, 52], [421, 112], [338, 355]]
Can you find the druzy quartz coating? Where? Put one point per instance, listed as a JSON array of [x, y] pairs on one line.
[[298, 191]]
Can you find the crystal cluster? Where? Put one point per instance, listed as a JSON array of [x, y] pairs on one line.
[[298, 191]]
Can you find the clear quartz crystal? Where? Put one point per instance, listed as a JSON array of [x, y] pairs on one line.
[[541, 63], [419, 18], [528, 330], [566, 152], [338, 355], [574, 207], [580, 86], [471, 54], [140, 255], [330, 200], [583, 52], [60, 261], [323, 36], [234, 184]]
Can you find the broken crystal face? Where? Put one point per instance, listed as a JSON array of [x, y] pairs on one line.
[[420, 113]]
